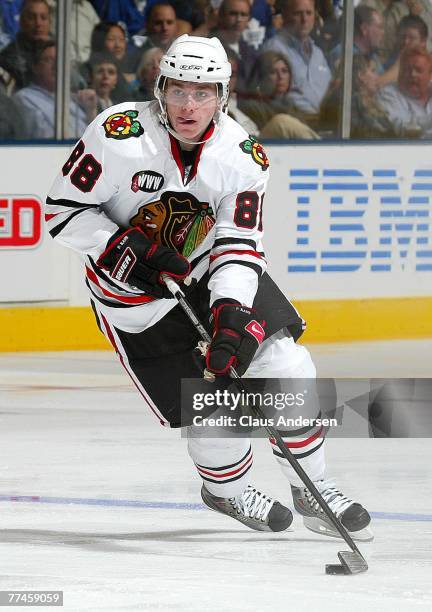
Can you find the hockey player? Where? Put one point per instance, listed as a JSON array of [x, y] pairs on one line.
[[175, 186]]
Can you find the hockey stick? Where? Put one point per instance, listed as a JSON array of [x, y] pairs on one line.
[[350, 562]]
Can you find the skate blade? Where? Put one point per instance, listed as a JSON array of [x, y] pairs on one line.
[[318, 526]]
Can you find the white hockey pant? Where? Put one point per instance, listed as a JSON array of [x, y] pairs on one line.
[[224, 463]]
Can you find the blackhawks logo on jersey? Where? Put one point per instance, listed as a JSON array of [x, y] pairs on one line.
[[123, 125], [256, 150], [178, 220]]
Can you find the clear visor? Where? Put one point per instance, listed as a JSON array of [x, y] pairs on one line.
[[180, 94]]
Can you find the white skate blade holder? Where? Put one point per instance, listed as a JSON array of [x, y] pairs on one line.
[[351, 562], [321, 527]]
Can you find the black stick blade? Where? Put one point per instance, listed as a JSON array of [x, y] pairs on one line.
[[335, 570], [350, 563]]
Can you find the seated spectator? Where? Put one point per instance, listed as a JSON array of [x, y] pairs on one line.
[[184, 10], [408, 103], [35, 25], [111, 37], [368, 37], [38, 98], [148, 70], [412, 32], [392, 12], [108, 37], [368, 119], [272, 80], [104, 76], [161, 28], [422, 9], [233, 19], [310, 72]]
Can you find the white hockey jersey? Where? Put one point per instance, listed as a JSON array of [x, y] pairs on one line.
[[128, 171]]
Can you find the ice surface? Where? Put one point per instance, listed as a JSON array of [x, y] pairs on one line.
[[116, 520]]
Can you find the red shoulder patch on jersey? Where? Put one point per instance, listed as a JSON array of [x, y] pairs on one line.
[[256, 150]]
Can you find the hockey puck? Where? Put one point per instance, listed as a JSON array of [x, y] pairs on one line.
[[336, 569]]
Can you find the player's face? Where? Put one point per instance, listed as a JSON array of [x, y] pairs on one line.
[[104, 79], [190, 107], [299, 15], [35, 21], [115, 42]]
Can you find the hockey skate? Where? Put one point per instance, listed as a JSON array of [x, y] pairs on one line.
[[352, 515], [252, 508]]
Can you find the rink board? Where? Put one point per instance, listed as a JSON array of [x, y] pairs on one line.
[[348, 238]]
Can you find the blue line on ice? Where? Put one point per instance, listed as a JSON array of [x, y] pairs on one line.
[[132, 503]]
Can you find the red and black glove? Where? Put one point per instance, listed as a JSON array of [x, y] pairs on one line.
[[237, 334], [130, 257]]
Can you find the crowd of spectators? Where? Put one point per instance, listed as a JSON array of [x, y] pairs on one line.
[[286, 58]]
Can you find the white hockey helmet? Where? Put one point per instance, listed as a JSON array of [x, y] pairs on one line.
[[197, 60]]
